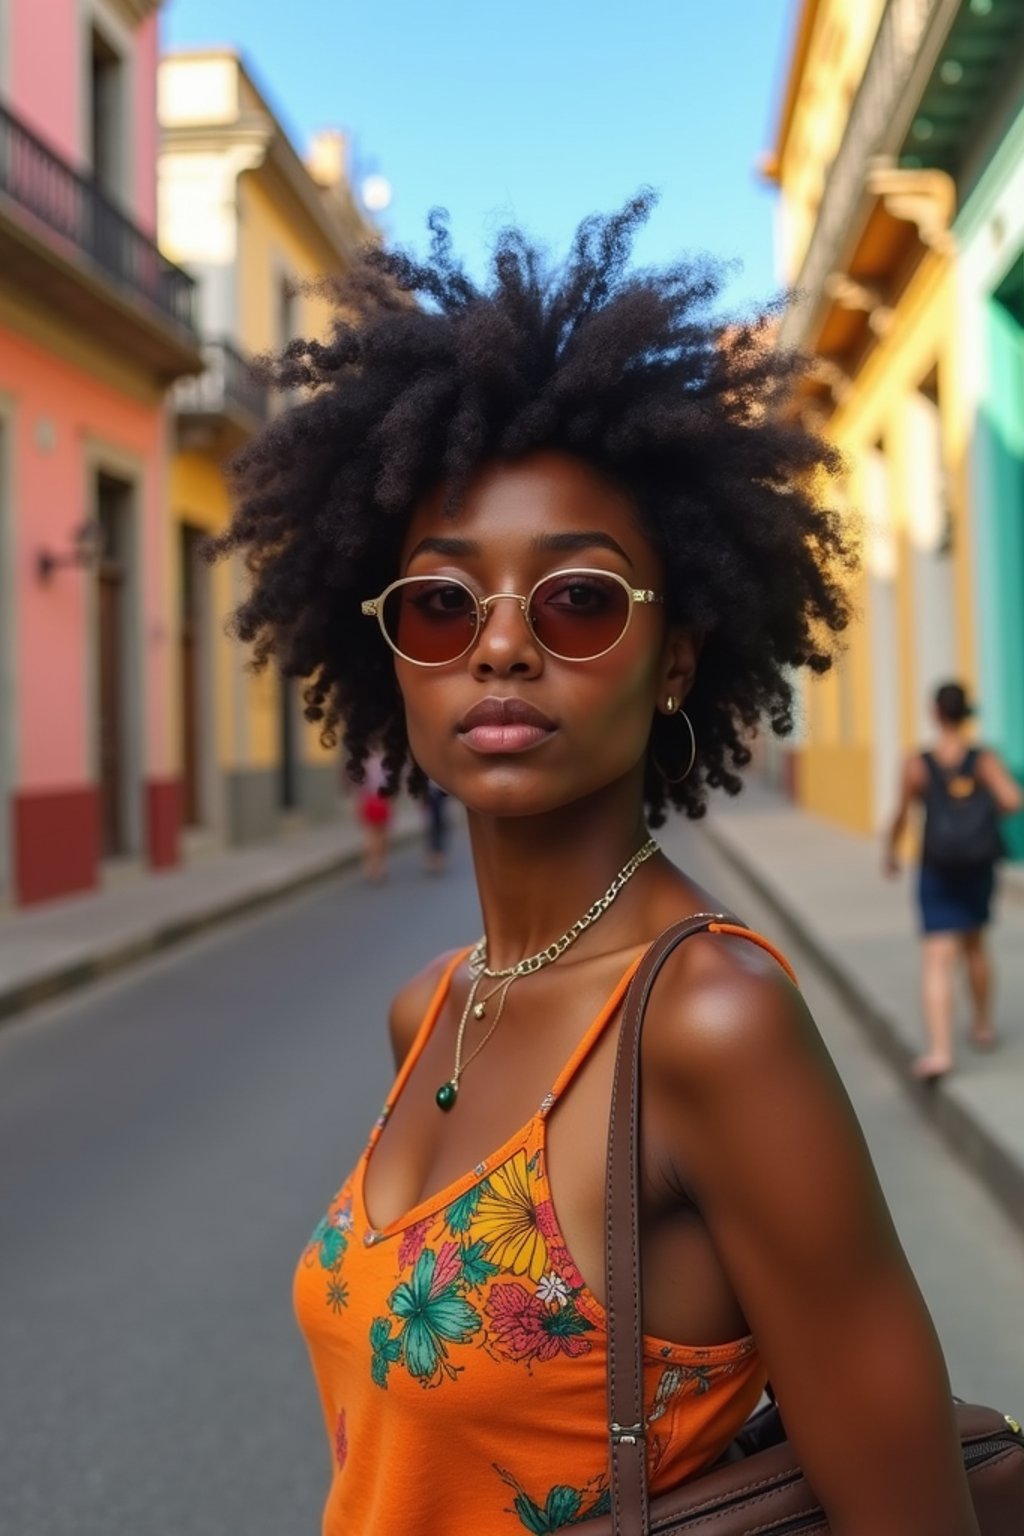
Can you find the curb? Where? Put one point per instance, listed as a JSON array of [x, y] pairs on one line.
[[959, 1125], [72, 974]]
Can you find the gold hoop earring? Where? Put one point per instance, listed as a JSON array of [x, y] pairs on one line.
[[671, 704], [678, 779]]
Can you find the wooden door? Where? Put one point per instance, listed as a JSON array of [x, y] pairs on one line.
[[111, 707], [6, 694], [113, 513]]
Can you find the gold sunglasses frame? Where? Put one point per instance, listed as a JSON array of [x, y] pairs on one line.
[[373, 608]]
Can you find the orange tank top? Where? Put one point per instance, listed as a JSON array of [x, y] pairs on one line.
[[460, 1357]]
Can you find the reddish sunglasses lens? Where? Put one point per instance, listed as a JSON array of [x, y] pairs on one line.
[[431, 621], [579, 614]]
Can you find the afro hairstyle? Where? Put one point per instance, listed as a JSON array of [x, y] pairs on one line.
[[427, 376]]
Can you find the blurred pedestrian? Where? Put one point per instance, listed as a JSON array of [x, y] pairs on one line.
[[375, 809], [436, 804], [963, 789], [542, 538]]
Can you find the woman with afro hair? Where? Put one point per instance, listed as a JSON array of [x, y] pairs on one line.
[[552, 544]]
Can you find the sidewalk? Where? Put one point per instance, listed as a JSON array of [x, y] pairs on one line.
[[49, 949], [827, 886], [824, 883]]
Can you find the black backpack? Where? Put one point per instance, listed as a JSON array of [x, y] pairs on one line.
[[961, 826]]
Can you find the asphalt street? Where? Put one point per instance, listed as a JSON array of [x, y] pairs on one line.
[[169, 1139]]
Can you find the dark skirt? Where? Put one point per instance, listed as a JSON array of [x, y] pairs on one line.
[[955, 903]]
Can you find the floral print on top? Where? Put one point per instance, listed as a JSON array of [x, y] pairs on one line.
[[474, 1299], [327, 1248], [461, 1283]]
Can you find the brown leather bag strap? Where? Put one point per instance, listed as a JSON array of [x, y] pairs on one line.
[[627, 1452]]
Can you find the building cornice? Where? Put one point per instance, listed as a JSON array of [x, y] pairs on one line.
[[909, 39], [136, 11], [924, 198], [258, 132], [251, 132], [772, 161]]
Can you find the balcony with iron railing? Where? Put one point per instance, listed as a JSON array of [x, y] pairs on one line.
[[225, 403], [62, 238]]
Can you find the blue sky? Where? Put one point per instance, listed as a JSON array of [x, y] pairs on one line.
[[539, 111]]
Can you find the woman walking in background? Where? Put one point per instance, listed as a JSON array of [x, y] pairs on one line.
[[964, 790], [375, 814], [436, 804]]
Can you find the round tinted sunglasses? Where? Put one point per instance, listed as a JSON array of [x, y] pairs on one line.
[[576, 615]]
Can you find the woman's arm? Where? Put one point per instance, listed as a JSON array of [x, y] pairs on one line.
[[999, 782], [912, 783], [767, 1141]]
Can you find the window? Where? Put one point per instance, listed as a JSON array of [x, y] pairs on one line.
[[930, 530], [287, 330], [106, 126], [286, 317]]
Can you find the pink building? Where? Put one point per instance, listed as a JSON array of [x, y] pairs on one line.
[[94, 326]]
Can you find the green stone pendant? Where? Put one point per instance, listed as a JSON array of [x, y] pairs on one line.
[[445, 1097]]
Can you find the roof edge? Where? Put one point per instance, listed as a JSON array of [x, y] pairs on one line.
[[770, 162]]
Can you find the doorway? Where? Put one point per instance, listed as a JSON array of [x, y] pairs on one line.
[[113, 515], [882, 568], [7, 671], [930, 532], [288, 744], [193, 674]]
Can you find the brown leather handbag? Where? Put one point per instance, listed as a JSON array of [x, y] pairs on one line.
[[758, 1486]]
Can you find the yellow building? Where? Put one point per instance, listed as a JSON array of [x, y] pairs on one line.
[[252, 222], [885, 104]]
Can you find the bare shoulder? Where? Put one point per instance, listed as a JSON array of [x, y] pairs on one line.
[[751, 1101], [723, 1005], [737, 1064], [988, 764], [410, 1004], [998, 779], [915, 773]]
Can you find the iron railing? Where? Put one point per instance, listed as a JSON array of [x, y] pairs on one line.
[[909, 39], [74, 208], [226, 382]]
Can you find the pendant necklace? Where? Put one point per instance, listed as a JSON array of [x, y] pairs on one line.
[[479, 970]]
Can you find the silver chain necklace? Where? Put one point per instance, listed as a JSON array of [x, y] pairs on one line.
[[479, 970]]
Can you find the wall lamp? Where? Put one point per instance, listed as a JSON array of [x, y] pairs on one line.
[[86, 549]]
